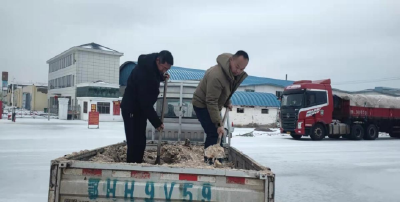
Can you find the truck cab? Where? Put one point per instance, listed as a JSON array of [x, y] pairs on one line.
[[306, 108]]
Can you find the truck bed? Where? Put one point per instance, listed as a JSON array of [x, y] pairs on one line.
[[75, 179]]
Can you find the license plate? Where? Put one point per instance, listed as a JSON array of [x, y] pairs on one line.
[[288, 133]]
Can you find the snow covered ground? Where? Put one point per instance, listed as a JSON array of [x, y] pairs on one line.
[[328, 170]]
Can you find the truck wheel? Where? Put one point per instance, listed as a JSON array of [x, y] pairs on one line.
[[371, 133], [317, 132], [334, 136], [357, 132], [297, 137]]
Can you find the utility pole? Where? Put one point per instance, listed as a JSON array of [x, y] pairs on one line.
[[12, 93]]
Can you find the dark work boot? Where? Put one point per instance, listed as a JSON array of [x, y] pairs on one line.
[[208, 160]]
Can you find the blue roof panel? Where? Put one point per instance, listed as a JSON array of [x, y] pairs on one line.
[[180, 73], [254, 99]]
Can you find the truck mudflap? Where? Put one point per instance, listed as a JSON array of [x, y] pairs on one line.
[[75, 184]]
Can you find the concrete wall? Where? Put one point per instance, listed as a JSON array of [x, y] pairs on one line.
[[103, 117], [38, 100], [18, 93], [94, 66], [70, 91], [262, 88], [252, 116]]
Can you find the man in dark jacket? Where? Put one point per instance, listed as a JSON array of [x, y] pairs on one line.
[[141, 94]]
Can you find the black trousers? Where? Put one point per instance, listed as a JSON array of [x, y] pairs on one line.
[[135, 132], [209, 127]]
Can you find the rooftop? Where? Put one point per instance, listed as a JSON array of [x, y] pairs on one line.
[[89, 47], [96, 46], [240, 98]]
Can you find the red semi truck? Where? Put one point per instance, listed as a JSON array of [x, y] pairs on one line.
[[309, 108]]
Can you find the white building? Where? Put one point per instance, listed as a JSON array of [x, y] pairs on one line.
[[81, 64], [253, 108], [103, 97]]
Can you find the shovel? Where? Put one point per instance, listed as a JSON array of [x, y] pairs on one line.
[[162, 120], [223, 122]]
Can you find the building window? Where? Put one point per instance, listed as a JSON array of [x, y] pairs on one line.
[[61, 63], [278, 94], [103, 107], [240, 110], [249, 90], [264, 111], [85, 107]]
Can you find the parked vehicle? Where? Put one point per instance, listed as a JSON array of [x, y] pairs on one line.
[[309, 108], [75, 179]]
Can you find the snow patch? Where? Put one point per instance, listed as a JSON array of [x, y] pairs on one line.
[[251, 132]]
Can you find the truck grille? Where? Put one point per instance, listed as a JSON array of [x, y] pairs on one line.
[[289, 119], [288, 126]]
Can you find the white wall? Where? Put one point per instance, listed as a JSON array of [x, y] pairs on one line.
[[94, 66], [102, 117], [252, 116], [262, 88], [65, 92]]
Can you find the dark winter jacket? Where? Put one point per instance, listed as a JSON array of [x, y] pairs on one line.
[[142, 89]]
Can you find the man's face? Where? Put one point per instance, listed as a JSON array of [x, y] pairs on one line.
[[162, 67], [237, 65]]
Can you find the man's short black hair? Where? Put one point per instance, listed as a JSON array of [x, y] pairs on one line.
[[242, 53], [166, 57]]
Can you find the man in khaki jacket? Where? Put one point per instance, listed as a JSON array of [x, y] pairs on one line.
[[215, 91]]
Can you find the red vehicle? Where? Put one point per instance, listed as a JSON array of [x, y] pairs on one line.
[[308, 108]]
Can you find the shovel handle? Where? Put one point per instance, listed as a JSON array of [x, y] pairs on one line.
[[223, 122], [162, 120]]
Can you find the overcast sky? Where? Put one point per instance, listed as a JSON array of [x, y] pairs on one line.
[[355, 43]]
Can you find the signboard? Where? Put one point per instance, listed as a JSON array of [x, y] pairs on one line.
[[4, 76], [94, 119], [93, 108], [117, 108], [4, 84]]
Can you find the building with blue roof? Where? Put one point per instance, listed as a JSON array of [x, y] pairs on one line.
[[254, 99]]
